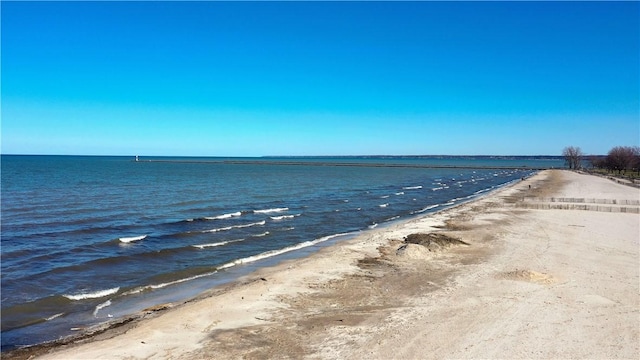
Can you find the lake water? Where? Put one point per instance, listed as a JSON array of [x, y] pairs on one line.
[[87, 239]]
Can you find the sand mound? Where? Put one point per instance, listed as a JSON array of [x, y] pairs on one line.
[[412, 251], [433, 241], [529, 276]]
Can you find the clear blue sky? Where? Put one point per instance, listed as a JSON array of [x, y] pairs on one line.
[[321, 78]]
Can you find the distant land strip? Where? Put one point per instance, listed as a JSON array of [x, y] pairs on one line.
[[330, 163]]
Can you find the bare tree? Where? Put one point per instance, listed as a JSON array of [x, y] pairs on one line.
[[572, 157], [598, 161], [622, 158]]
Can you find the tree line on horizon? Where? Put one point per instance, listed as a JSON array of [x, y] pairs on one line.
[[619, 158]]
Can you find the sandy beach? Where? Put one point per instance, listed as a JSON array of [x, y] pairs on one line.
[[546, 268]]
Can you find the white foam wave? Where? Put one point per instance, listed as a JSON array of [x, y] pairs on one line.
[[203, 246], [272, 253], [283, 217], [160, 286], [400, 193], [261, 235], [54, 316], [437, 188], [227, 228], [384, 196], [393, 218], [93, 295], [412, 187], [482, 191], [425, 209], [101, 306], [223, 216], [132, 239], [372, 226], [384, 205], [267, 211]]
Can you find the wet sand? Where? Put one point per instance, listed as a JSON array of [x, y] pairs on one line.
[[511, 275]]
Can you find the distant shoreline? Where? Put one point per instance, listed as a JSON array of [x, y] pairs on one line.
[[269, 157], [327, 163]]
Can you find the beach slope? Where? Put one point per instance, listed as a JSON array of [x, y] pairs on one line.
[[545, 268]]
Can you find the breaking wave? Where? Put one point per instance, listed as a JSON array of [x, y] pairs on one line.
[[101, 306], [227, 228], [93, 295], [54, 316], [282, 217], [267, 211], [272, 253], [221, 243], [425, 209], [132, 239], [162, 285], [223, 216]]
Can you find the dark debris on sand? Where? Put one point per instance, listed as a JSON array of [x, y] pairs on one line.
[[433, 241]]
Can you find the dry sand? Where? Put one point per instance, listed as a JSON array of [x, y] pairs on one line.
[[549, 271]]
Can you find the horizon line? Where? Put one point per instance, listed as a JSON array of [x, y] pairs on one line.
[[297, 156]]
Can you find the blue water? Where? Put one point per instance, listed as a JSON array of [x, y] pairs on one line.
[[85, 239]]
